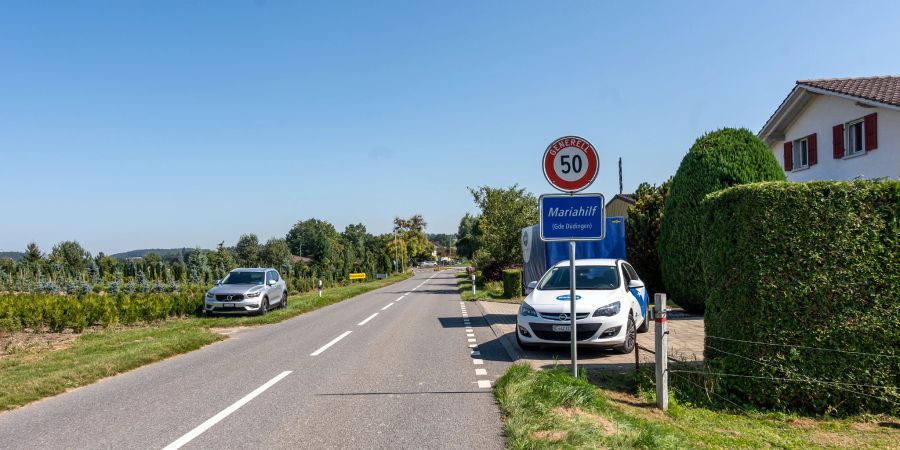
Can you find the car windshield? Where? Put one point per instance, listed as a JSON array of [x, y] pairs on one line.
[[586, 278], [245, 278]]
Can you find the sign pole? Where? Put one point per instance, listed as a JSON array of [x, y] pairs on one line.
[[572, 308]]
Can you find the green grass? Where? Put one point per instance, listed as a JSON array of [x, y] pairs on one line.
[[551, 409], [30, 376], [492, 291]]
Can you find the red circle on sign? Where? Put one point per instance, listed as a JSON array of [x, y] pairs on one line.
[[560, 175]]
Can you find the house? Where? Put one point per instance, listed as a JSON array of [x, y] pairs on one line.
[[618, 205], [838, 129]]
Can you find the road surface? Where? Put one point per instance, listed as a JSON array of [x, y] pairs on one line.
[[391, 368]]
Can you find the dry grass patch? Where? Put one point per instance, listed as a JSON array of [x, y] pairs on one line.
[[549, 435], [608, 427]]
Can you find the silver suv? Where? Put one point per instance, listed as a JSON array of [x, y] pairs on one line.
[[246, 291]]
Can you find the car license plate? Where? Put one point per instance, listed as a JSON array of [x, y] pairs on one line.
[[562, 327], [229, 305]]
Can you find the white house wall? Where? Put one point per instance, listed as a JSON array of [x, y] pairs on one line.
[[826, 111]]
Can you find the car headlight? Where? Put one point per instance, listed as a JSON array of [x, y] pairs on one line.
[[210, 295], [252, 294], [526, 310], [608, 310]]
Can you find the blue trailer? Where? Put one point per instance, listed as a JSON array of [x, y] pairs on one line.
[[538, 256]]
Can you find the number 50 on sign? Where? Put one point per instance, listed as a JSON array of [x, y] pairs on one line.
[[570, 164]]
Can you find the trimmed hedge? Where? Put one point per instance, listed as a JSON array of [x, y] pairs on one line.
[[58, 312], [805, 264], [717, 160], [512, 283]]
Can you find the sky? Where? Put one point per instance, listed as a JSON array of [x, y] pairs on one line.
[[159, 124]]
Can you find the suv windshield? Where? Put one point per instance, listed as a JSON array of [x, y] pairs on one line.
[[586, 278], [245, 278]]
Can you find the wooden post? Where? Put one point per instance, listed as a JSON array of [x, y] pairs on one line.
[[662, 357]]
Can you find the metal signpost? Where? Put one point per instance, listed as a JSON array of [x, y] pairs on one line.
[[570, 165]]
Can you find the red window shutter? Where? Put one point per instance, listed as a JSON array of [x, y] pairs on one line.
[[871, 124], [837, 137], [811, 149], [788, 156]]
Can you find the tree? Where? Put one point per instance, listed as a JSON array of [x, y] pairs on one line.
[[642, 233], [504, 212], [468, 235], [71, 256], [717, 160], [33, 254], [247, 250], [414, 241], [276, 253], [222, 260], [318, 240]]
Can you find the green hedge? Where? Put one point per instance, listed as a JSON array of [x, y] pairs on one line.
[[512, 283], [717, 160], [805, 264], [60, 312]]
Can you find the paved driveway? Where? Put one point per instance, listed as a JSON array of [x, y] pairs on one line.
[[685, 341]]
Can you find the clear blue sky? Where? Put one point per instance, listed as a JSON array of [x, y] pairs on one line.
[[132, 124]]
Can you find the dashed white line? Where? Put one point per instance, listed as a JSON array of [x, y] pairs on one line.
[[190, 435], [473, 345], [470, 334], [401, 298], [478, 353], [387, 306], [367, 319], [333, 341], [469, 330], [480, 371], [471, 340], [484, 383], [477, 362]]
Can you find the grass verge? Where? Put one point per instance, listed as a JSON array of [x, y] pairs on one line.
[[492, 291], [551, 409], [29, 376]]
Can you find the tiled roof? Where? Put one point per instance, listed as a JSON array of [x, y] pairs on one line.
[[879, 89]]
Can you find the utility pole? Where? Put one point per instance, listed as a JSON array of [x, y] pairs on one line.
[[620, 175], [662, 356]]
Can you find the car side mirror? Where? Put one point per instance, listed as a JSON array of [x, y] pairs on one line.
[[532, 284], [635, 284], [272, 282], [218, 282]]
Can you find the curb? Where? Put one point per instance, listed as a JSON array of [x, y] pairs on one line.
[[506, 339]]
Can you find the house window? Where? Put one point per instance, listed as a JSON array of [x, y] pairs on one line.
[[801, 154], [855, 137]]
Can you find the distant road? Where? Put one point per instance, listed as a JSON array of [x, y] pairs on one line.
[[389, 369]]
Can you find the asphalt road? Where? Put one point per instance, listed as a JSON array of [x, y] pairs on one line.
[[399, 372]]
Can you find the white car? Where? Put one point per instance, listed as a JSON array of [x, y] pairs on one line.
[[244, 291], [610, 303]]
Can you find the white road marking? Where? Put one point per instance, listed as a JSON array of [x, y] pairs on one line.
[[484, 383], [190, 435], [478, 362], [478, 353], [469, 330], [367, 319], [472, 346], [473, 334], [401, 298], [387, 306], [480, 371], [471, 340], [333, 341]]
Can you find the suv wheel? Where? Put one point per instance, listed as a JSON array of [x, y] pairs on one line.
[[630, 337], [264, 307], [284, 299]]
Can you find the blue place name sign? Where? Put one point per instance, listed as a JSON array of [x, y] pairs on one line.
[[580, 217]]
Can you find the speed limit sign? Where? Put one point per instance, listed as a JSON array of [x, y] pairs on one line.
[[570, 164]]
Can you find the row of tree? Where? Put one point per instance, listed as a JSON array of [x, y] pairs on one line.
[[312, 249]]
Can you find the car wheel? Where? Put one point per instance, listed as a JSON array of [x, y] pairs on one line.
[[630, 337], [523, 345], [264, 307], [645, 325], [284, 299]]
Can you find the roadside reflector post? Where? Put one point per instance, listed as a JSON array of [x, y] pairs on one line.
[[662, 356], [573, 313], [473, 283], [320, 288]]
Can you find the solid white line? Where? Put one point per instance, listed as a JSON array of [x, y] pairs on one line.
[[480, 371], [190, 435], [401, 298], [386, 306], [367, 319], [484, 383], [478, 362], [333, 341]]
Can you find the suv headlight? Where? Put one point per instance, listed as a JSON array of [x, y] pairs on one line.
[[252, 294], [526, 310], [210, 295], [608, 310]]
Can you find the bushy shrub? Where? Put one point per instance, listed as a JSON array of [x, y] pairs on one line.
[[642, 233], [493, 271], [805, 264], [512, 283], [717, 160]]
